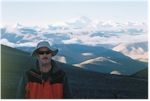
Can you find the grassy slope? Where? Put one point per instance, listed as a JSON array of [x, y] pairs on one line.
[[141, 74], [84, 83]]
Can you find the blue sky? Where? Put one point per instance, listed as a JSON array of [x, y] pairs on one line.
[[44, 12]]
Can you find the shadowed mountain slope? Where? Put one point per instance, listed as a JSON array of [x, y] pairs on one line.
[[95, 58], [141, 74], [85, 84], [99, 59]]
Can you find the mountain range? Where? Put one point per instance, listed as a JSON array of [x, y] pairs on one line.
[[129, 38], [82, 30], [94, 58]]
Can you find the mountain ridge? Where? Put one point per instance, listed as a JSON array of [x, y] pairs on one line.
[[84, 20], [106, 60], [134, 50], [109, 34]]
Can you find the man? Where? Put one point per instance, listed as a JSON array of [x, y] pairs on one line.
[[47, 80]]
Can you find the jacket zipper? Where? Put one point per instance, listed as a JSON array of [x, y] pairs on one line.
[[43, 82]]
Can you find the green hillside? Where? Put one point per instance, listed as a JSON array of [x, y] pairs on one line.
[[141, 74], [13, 64], [85, 84]]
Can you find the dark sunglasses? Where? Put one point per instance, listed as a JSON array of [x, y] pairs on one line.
[[42, 52]]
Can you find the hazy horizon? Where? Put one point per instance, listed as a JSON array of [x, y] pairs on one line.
[[44, 12]]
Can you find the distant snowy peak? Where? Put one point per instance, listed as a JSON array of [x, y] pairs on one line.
[[85, 19], [17, 25], [79, 23], [83, 22], [82, 19]]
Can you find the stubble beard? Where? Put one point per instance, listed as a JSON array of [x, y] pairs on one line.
[[45, 68]]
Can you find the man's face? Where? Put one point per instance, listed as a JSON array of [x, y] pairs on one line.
[[44, 56]]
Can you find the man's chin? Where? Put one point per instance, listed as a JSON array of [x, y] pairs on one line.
[[45, 61], [44, 64]]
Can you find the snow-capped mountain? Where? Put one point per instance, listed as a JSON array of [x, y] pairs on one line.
[[82, 30], [81, 22], [17, 25]]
